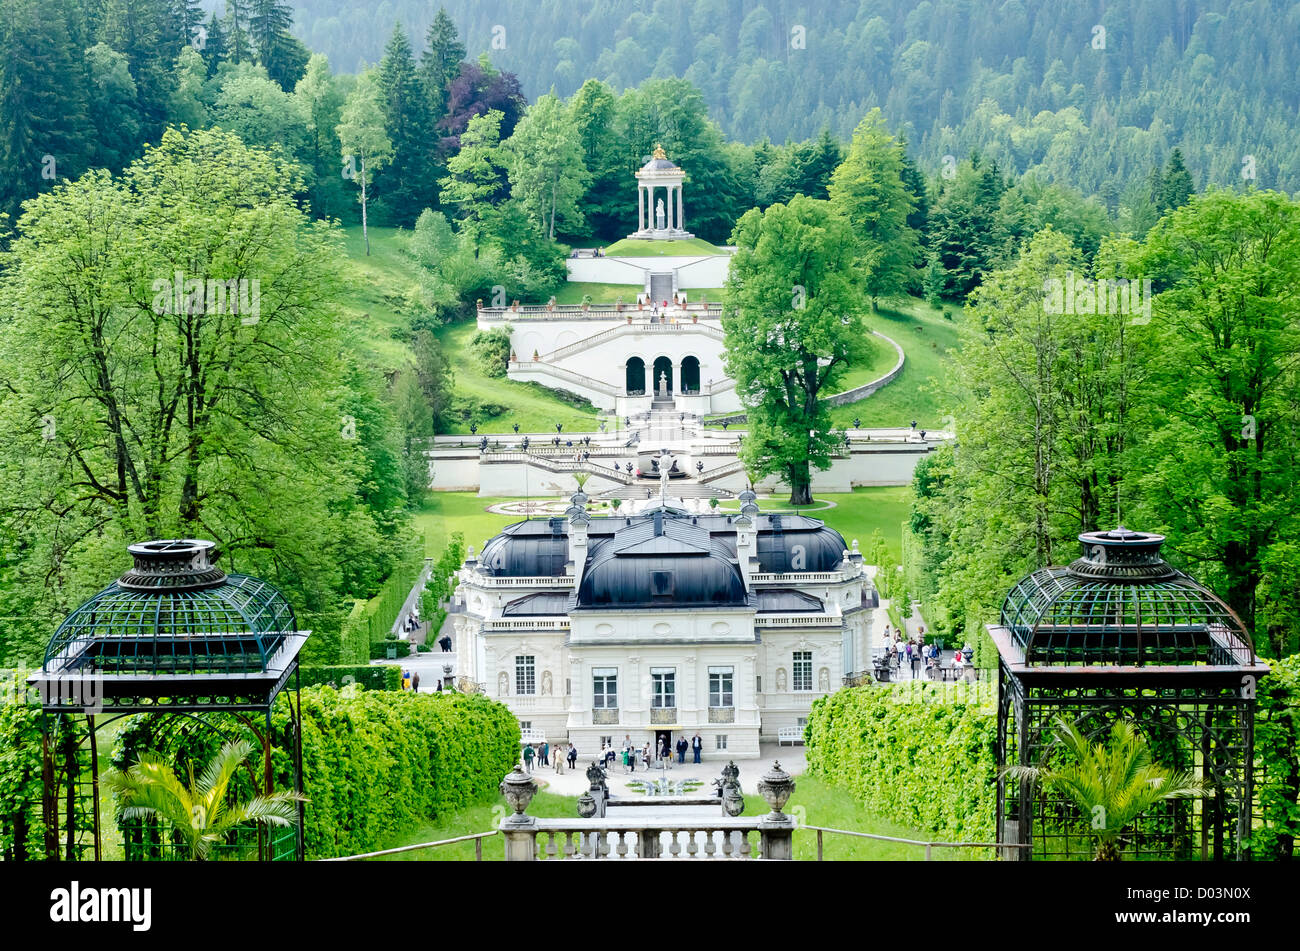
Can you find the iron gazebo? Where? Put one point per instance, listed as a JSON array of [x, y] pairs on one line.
[[174, 636], [1121, 634]]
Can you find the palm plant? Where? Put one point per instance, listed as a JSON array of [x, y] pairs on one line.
[[1112, 781], [199, 811]]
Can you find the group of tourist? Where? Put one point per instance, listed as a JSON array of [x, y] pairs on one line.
[[911, 653], [544, 754]]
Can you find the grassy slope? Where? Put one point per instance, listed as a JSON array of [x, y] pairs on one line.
[[641, 247], [574, 291], [878, 360], [925, 336], [373, 302], [532, 406], [445, 512]]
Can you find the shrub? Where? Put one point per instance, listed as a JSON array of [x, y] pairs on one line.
[[379, 649], [1277, 761], [491, 350]]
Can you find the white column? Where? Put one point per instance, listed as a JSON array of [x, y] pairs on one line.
[[681, 216], [640, 207]]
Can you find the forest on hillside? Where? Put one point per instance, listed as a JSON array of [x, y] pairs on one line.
[[1085, 92]]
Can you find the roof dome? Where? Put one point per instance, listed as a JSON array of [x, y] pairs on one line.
[[798, 543], [174, 612], [534, 548], [658, 161], [663, 562], [1122, 604]]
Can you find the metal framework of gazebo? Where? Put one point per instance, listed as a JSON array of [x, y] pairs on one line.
[[177, 637], [1121, 634]]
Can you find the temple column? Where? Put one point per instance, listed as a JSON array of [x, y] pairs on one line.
[[640, 208], [681, 215]]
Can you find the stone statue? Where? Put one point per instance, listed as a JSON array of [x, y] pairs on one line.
[[659, 214], [663, 383], [546, 683], [663, 480], [824, 680], [780, 680], [503, 684]]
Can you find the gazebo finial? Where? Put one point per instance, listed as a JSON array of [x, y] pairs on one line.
[[659, 152]]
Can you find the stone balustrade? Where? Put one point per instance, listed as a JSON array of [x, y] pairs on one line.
[[651, 838]]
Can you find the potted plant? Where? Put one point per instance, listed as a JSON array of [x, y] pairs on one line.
[[1112, 781], [200, 812], [618, 305], [586, 302], [550, 304], [535, 355], [513, 359]]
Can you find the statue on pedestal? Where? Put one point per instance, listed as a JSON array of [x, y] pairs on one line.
[[663, 383], [659, 214]]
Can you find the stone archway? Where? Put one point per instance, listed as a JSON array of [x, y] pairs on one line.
[[690, 382], [635, 376], [663, 365]]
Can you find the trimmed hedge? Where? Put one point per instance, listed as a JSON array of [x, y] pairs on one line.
[[379, 651], [382, 677], [355, 636], [377, 764], [930, 766], [1277, 761]]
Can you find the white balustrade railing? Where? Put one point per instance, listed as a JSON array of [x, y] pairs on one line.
[[659, 838]]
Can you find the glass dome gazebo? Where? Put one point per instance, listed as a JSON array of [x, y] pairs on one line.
[[1121, 634], [173, 635]]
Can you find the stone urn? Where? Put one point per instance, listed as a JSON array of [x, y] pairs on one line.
[[550, 304], [695, 318], [618, 305], [733, 803], [513, 357], [519, 790], [586, 806], [776, 787], [629, 318]]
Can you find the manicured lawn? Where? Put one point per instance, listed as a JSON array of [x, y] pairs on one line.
[[445, 512], [834, 807], [476, 819], [532, 406], [856, 514], [574, 291], [822, 804], [925, 337], [640, 247]]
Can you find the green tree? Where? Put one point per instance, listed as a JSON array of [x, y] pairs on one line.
[[1111, 782], [543, 158], [1220, 467], [440, 63], [187, 107], [474, 174], [112, 107], [199, 811], [365, 143], [793, 325], [868, 190], [282, 56], [320, 102]]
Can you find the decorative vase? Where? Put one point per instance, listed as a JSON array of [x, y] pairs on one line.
[[519, 789], [776, 787]]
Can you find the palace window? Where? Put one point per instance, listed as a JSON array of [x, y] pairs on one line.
[[720, 681], [604, 688], [526, 674], [664, 685], [721, 741], [802, 671]]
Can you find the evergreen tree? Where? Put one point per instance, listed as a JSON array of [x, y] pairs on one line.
[[440, 63], [868, 190], [213, 51], [282, 56], [1176, 183], [401, 188], [45, 129], [112, 108], [604, 206], [235, 29]]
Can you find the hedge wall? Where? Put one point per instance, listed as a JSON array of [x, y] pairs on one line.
[[379, 763], [930, 766], [1277, 761], [376, 677]]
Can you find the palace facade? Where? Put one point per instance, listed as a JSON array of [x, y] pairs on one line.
[[663, 623]]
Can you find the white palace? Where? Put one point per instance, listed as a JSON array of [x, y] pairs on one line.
[[664, 623]]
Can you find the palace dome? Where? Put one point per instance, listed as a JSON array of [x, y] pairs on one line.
[[530, 549]]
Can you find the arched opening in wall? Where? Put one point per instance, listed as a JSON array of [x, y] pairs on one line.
[[690, 375], [663, 367], [635, 377]]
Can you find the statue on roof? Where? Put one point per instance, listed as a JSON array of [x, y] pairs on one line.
[[659, 151]]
